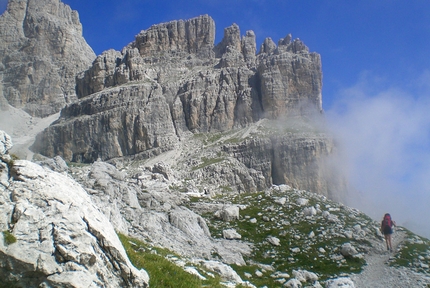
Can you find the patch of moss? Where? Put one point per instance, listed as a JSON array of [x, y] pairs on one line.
[[77, 164], [9, 284], [8, 237]]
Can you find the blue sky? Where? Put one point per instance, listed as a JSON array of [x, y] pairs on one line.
[[376, 79]]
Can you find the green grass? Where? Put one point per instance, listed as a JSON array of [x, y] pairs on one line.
[[9, 238], [292, 229], [212, 138], [412, 252], [9, 284], [162, 272], [77, 164], [207, 162]]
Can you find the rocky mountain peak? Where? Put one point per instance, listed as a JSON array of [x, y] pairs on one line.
[[231, 40], [172, 82], [41, 50], [195, 36]]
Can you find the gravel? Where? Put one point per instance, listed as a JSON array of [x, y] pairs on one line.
[[378, 274]]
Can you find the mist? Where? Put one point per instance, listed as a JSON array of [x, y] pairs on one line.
[[384, 139]]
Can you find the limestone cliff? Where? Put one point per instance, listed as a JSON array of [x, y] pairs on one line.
[[41, 50], [61, 238], [173, 80]]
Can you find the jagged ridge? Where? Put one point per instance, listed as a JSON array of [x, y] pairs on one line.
[[173, 80]]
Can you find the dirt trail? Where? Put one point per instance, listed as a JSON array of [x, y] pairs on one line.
[[378, 274]]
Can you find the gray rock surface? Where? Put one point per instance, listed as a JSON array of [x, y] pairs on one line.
[[155, 212], [146, 99], [5, 142], [41, 51], [199, 94], [345, 282], [188, 119], [62, 238]]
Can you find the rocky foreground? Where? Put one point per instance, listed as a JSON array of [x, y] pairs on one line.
[[63, 220], [208, 150]]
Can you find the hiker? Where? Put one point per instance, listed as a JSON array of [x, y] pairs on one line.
[[387, 229]]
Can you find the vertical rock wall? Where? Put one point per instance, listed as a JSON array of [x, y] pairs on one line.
[[41, 51], [173, 80]]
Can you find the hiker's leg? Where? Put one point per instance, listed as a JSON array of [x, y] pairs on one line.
[[389, 241], [386, 240]]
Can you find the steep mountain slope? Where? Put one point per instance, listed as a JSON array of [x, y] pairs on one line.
[[211, 151], [172, 82], [41, 50], [279, 237]]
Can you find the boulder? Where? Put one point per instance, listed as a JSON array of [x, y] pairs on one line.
[[226, 272], [274, 241], [62, 238], [231, 234], [293, 283], [344, 282], [347, 250], [228, 213]]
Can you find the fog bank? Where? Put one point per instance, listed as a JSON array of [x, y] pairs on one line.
[[384, 137]]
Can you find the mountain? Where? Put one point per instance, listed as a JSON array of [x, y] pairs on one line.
[[210, 159], [173, 83], [58, 228], [41, 50]]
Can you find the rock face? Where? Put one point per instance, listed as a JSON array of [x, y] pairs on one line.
[[173, 80], [195, 36], [173, 67], [155, 213], [41, 51], [62, 238]]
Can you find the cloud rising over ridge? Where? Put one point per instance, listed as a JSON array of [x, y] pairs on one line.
[[384, 136]]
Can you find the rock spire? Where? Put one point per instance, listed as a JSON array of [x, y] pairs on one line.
[[41, 50]]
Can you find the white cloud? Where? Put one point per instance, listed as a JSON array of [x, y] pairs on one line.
[[385, 136]]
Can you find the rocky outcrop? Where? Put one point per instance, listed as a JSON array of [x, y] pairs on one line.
[[57, 236], [150, 209], [5, 142], [41, 51], [54, 235], [123, 120], [300, 159], [290, 80], [226, 89], [194, 36], [172, 80]]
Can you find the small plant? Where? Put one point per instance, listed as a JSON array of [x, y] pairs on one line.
[[12, 160], [207, 162], [162, 272], [413, 253], [14, 157], [9, 238]]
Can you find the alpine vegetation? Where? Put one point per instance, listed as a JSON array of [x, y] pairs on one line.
[[176, 162]]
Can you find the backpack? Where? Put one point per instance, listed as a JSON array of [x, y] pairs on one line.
[[387, 220]]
